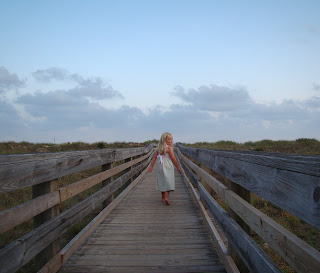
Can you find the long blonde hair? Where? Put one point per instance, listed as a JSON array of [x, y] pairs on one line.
[[163, 147]]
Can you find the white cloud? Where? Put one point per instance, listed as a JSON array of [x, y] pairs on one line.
[[209, 113], [215, 98], [9, 81], [93, 88]]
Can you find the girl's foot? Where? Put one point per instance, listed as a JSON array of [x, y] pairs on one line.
[[163, 195], [167, 202]]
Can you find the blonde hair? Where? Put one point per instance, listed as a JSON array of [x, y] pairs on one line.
[[163, 147]]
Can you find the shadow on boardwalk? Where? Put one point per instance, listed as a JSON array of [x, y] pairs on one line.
[[144, 235]]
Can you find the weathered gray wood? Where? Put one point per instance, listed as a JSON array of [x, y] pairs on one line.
[[105, 182], [52, 249], [252, 255], [298, 254], [21, 251], [144, 235], [215, 236], [305, 164], [17, 215], [293, 185], [56, 262], [19, 171], [80, 186]]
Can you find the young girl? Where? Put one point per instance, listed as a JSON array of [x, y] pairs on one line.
[[165, 173]]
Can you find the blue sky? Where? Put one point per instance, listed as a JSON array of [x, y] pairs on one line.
[[129, 70]]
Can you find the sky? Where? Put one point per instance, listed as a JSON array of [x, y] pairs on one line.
[[100, 70]]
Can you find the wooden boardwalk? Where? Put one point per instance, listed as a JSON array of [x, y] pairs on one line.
[[144, 235]]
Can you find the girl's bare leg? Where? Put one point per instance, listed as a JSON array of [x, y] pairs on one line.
[[163, 196], [166, 198]]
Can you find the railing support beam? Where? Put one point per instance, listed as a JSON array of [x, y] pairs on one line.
[[245, 194], [37, 190]]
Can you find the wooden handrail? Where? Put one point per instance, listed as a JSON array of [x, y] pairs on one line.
[[20, 171], [298, 254], [291, 183], [18, 253]]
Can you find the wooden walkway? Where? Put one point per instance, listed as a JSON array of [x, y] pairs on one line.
[[144, 235]]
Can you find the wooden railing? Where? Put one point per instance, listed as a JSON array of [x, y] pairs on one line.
[[291, 182], [42, 172]]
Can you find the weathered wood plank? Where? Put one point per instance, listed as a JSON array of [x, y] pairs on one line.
[[215, 236], [305, 164], [69, 249], [21, 251], [297, 253], [154, 269], [80, 186], [17, 215], [144, 234], [290, 188], [19, 171], [252, 255], [301, 256]]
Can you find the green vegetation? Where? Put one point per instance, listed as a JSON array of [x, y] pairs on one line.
[[12, 147], [307, 146]]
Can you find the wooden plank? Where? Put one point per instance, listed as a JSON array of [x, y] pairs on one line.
[[19, 171], [297, 253], [17, 215], [80, 186], [252, 255], [222, 249], [215, 184], [138, 269], [288, 188], [305, 164], [142, 232], [69, 249], [55, 264], [21, 251]]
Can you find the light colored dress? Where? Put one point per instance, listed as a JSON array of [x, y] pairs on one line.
[[165, 174]]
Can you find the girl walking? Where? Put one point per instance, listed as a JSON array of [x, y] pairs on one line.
[[165, 173]]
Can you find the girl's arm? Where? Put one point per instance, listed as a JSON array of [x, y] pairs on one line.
[[152, 161], [173, 158]]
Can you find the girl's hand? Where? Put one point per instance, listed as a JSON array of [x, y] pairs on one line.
[[179, 170], [150, 169]]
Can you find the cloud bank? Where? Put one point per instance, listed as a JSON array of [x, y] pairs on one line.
[[209, 113]]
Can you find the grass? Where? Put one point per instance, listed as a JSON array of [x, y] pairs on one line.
[[299, 146]]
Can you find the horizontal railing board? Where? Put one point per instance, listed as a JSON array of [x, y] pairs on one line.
[[17, 215], [19, 171], [252, 255], [305, 164], [222, 249], [23, 212], [80, 186], [21, 251], [300, 255], [292, 191]]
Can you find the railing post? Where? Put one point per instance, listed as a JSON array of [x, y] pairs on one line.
[[37, 190], [245, 194], [130, 168], [105, 167]]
